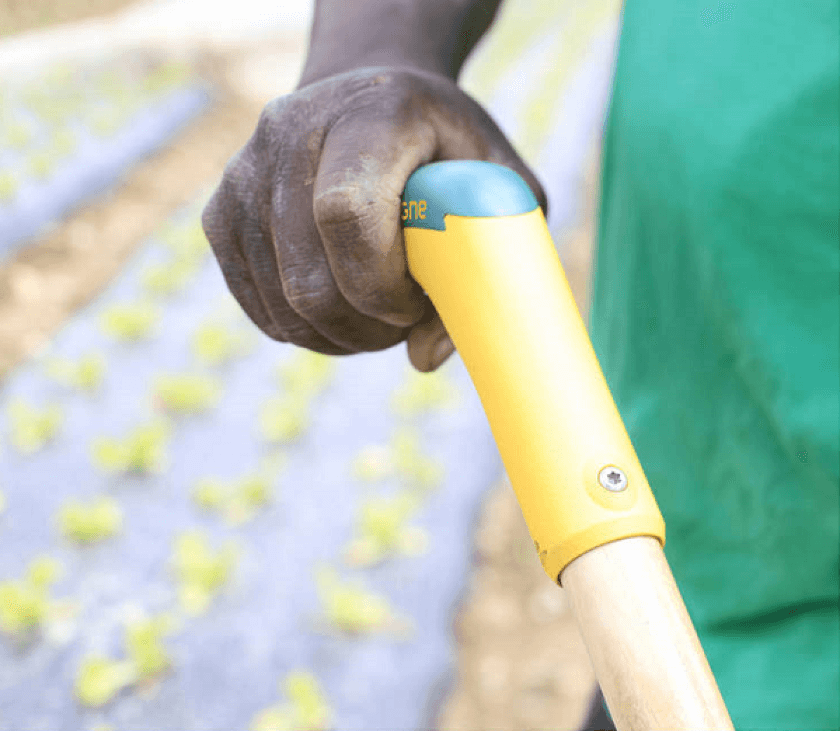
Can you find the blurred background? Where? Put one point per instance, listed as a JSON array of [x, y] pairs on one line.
[[201, 528]]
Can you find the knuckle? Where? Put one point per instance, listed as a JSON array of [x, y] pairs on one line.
[[341, 204], [309, 293]]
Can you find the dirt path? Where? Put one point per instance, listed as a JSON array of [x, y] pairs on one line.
[[521, 661]]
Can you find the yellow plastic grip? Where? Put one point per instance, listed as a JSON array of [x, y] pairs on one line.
[[500, 289]]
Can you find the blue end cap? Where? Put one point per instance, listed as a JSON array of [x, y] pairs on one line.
[[463, 188]]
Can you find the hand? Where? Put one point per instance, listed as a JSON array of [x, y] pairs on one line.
[[305, 222]]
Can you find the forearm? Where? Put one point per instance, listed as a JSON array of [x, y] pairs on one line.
[[433, 35]]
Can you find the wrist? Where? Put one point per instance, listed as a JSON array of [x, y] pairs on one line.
[[429, 35]]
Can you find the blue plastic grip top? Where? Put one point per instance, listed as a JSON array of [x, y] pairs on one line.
[[463, 188]]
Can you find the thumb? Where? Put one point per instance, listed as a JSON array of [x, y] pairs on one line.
[[428, 343]]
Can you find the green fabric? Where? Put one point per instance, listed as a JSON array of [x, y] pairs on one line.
[[715, 315]]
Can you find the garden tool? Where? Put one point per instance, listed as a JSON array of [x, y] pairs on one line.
[[478, 244]]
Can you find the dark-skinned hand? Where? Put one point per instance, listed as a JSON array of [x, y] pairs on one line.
[[305, 223]]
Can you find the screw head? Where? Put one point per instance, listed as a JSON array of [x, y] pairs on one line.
[[612, 479]]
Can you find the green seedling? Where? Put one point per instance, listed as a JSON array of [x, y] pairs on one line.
[[106, 122], [167, 279], [60, 76], [25, 604], [100, 679], [210, 494], [373, 463], [110, 83], [424, 392], [348, 606], [238, 501], [166, 76], [144, 646], [414, 467], [41, 164], [306, 373], [187, 393], [8, 186], [131, 322], [84, 374], [31, 428], [216, 344], [306, 711], [18, 136], [381, 530], [284, 418], [200, 571], [63, 143], [187, 242], [142, 452], [92, 522]]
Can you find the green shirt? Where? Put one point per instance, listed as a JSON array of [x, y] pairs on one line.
[[716, 318]]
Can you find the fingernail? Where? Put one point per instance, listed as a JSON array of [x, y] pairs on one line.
[[440, 350]]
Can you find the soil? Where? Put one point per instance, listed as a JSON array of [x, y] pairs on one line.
[[521, 663], [17, 16]]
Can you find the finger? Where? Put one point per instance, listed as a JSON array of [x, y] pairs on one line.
[[466, 131], [428, 343], [221, 220], [304, 294], [364, 165]]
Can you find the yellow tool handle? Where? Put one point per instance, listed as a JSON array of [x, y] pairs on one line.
[[478, 244]]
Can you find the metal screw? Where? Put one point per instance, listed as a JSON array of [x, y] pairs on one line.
[[612, 479]]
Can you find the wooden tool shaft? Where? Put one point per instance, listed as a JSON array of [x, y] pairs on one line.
[[644, 649]]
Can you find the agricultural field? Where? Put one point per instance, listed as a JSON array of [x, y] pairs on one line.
[[252, 511], [68, 133], [201, 528]]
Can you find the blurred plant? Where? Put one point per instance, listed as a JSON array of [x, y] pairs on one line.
[[143, 451], [167, 278], [130, 322], [8, 186], [166, 76], [348, 606], [420, 471], [424, 392], [284, 418], [200, 572], [214, 343], [18, 136], [25, 604], [101, 678], [2, 503], [41, 164], [84, 374], [31, 429], [186, 241], [306, 711], [187, 393], [238, 500], [144, 645], [110, 83], [306, 373], [106, 122], [381, 531], [63, 142], [88, 523], [373, 463]]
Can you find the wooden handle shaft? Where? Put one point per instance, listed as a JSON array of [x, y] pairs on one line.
[[644, 649]]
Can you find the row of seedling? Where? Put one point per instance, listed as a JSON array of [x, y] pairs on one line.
[[381, 530], [43, 123]]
